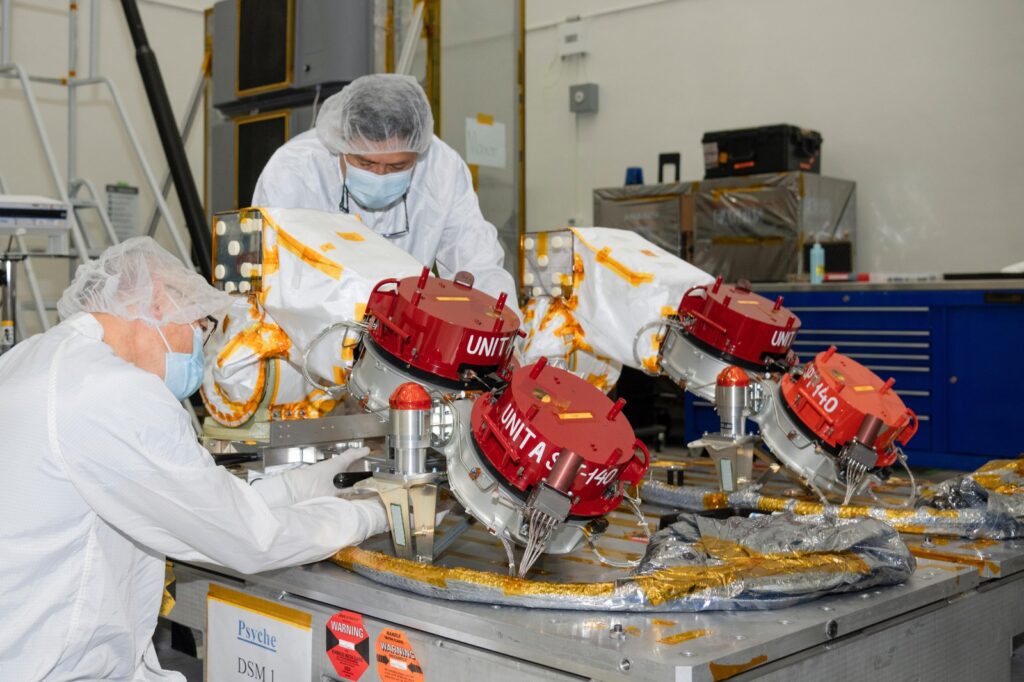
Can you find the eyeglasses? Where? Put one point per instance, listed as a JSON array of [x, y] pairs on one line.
[[343, 206], [208, 325]]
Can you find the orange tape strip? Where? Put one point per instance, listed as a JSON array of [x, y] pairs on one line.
[[603, 257], [308, 255]]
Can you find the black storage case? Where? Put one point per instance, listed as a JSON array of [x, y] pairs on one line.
[[768, 149]]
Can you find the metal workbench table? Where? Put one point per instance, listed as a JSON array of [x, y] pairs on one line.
[[955, 619]]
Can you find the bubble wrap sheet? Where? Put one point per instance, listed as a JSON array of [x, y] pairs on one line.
[[697, 564]]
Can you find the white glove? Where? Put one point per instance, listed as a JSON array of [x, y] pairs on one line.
[[307, 482]]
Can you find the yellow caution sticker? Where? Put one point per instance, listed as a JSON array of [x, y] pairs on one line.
[[463, 299], [745, 301], [863, 389], [573, 416]]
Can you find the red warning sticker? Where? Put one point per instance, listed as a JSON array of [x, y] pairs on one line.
[[396, 661], [348, 645]]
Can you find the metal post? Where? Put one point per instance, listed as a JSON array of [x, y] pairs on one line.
[[194, 103], [30, 274], [33, 285], [9, 306], [163, 116], [94, 35], [5, 32], [51, 161], [72, 96]]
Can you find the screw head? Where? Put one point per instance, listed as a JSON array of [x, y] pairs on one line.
[[625, 665]]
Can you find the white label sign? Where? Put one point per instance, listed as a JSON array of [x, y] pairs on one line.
[[254, 640], [485, 143]]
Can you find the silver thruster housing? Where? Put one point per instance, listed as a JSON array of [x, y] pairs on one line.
[[374, 378], [685, 363], [787, 442], [486, 499]]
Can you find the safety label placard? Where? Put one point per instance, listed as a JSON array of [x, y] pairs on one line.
[[348, 645], [254, 639], [396, 661]]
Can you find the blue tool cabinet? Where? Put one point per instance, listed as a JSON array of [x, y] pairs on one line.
[[955, 349]]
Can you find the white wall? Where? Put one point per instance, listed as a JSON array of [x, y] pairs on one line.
[[478, 64], [40, 44], [920, 101]]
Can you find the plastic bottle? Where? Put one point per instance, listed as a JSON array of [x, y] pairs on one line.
[[817, 263]]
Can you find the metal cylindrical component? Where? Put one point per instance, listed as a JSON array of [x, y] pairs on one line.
[[868, 431], [731, 400], [410, 438], [730, 403], [564, 471], [410, 428], [7, 306]]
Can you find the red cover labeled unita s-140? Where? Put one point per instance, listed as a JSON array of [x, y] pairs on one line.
[[549, 425], [834, 395]]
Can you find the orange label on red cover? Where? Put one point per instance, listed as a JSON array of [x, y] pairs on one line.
[[396, 660], [568, 416]]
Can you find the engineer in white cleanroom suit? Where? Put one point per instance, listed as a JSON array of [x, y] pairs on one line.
[[373, 154], [102, 476]]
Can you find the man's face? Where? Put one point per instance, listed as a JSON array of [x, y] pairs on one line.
[[150, 349], [381, 164], [179, 336]]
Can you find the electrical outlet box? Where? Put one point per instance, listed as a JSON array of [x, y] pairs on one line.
[[572, 38], [583, 98]]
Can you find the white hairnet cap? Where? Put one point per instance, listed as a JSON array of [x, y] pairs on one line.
[[377, 114], [138, 280]]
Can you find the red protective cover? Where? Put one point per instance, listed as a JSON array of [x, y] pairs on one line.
[[736, 321], [834, 394], [410, 396], [440, 326], [545, 409]]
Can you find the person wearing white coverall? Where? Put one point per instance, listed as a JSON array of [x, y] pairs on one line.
[[373, 154], [103, 476]]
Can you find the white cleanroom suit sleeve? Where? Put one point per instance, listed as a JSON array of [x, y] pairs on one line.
[[471, 243], [137, 464]]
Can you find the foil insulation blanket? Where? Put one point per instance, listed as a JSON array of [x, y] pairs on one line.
[[697, 564], [988, 503]]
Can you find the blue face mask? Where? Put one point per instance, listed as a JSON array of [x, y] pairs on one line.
[[183, 372], [373, 191]]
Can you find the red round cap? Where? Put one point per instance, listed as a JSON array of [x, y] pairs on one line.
[[410, 396], [733, 376]]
